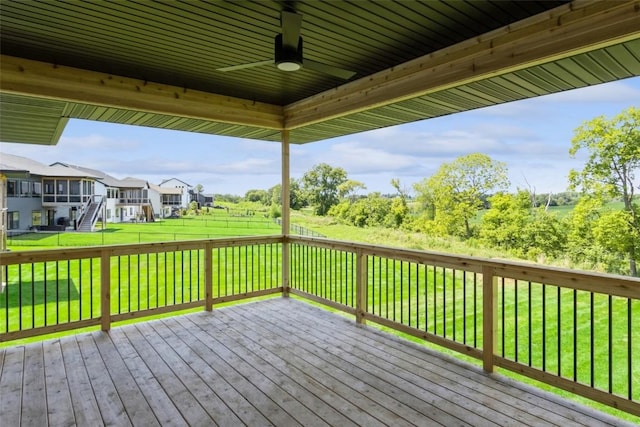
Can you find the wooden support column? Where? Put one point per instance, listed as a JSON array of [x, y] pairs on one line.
[[361, 286], [105, 290], [285, 213], [208, 276], [489, 317]]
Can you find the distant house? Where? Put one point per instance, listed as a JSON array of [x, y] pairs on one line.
[[45, 196], [185, 197], [122, 200], [170, 199], [201, 199], [63, 196]]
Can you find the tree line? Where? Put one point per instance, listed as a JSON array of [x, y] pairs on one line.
[[468, 199]]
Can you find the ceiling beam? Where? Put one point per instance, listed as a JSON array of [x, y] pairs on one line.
[[44, 80], [565, 31]]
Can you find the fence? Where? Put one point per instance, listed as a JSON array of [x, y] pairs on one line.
[[56, 290], [574, 330]]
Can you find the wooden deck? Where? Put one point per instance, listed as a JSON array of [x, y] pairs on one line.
[[277, 362]]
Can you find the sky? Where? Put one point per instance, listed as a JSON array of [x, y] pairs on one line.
[[532, 137]]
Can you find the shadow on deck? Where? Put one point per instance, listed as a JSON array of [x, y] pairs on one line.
[[276, 362]]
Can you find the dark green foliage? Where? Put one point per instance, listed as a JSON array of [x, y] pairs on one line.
[[322, 187]]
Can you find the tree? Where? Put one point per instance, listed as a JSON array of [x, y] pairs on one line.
[[399, 206], [296, 198], [613, 148], [503, 222], [322, 186], [349, 187], [584, 244], [458, 190], [260, 196], [198, 189]]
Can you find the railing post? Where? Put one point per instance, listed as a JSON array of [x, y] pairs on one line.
[[285, 214], [208, 276], [105, 290], [489, 313], [361, 286]]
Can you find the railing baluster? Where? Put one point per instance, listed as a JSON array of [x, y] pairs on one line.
[[610, 338], [629, 351], [559, 330], [515, 318], [529, 323], [453, 288], [503, 324], [575, 335], [464, 306], [105, 289], [592, 338], [46, 303], [544, 328], [20, 297], [444, 302]]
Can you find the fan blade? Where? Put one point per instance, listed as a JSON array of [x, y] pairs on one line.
[[243, 66], [328, 69], [291, 23]]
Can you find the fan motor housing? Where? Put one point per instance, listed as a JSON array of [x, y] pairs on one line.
[[286, 58]]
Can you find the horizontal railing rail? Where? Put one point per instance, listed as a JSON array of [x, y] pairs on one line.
[[571, 329]]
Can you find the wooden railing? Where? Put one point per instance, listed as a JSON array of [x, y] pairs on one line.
[[571, 329], [575, 330], [55, 290]]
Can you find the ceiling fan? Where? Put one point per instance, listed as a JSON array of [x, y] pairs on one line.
[[288, 51]]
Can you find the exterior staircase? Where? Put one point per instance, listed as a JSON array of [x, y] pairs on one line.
[[90, 216]]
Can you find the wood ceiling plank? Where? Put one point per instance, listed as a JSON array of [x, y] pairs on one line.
[[39, 79], [553, 35]]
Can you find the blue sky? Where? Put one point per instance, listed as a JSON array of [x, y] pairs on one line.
[[532, 137]]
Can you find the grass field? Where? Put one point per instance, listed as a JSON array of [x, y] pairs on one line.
[[187, 228], [147, 281]]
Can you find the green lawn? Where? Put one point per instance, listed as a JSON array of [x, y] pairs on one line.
[[188, 228], [438, 300]]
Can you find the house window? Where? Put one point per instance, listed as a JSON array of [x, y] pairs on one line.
[[62, 194], [36, 218], [108, 213], [11, 188], [36, 190], [24, 188], [74, 190], [131, 211], [13, 219], [49, 190]]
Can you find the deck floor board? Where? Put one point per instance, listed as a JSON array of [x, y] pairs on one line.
[[278, 362]]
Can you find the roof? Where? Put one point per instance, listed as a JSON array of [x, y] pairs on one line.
[[130, 182], [173, 179], [165, 190], [10, 162], [105, 178], [158, 63]]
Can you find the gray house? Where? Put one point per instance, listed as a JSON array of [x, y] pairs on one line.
[[44, 196]]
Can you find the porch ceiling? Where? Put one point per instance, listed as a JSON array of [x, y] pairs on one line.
[[155, 64]]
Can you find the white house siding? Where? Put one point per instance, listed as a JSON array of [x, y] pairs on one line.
[[22, 204], [176, 183]]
